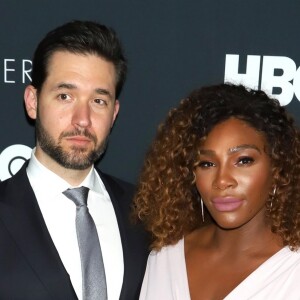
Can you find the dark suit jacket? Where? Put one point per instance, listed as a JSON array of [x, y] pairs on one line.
[[30, 267]]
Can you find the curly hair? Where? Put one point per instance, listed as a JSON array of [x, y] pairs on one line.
[[167, 200]]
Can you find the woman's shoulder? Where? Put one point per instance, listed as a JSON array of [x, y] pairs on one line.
[[168, 263], [287, 254], [166, 273], [169, 250]]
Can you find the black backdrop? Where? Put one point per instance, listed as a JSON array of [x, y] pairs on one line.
[[172, 47]]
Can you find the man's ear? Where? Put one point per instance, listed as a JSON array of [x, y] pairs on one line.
[[116, 111], [30, 99]]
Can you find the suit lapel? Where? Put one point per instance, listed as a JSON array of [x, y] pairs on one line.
[[23, 219], [133, 238], [116, 194]]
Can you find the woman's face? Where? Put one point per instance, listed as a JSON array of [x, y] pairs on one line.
[[234, 174]]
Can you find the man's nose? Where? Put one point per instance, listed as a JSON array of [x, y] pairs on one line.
[[81, 115]]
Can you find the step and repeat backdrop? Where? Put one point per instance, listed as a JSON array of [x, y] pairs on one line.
[[172, 48]]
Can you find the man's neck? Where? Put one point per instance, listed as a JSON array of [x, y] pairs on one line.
[[72, 176]]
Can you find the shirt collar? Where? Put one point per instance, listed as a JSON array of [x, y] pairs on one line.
[[43, 178]]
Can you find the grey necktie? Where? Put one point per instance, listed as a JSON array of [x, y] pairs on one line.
[[93, 273]]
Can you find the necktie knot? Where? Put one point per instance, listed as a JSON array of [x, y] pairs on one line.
[[78, 195]]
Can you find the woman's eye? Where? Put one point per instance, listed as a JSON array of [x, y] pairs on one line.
[[205, 164], [245, 160]]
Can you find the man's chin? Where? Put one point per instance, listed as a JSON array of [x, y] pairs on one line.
[[76, 167], [77, 161], [73, 157], [78, 149]]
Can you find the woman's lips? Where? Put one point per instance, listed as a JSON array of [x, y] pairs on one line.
[[226, 203]]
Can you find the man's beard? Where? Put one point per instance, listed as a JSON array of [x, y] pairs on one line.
[[77, 158]]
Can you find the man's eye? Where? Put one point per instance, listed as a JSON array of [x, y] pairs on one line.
[[245, 160], [100, 101], [63, 96]]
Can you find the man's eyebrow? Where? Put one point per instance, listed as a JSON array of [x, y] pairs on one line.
[[64, 85], [71, 86], [101, 91]]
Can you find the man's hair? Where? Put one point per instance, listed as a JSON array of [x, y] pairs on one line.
[[167, 200], [79, 37]]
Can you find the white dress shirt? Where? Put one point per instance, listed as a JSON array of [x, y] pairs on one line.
[[59, 214]]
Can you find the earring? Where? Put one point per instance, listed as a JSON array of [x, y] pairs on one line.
[[273, 196], [202, 209]]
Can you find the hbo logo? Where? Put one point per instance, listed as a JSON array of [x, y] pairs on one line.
[[276, 72]]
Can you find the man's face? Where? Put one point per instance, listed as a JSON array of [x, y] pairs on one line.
[[74, 110]]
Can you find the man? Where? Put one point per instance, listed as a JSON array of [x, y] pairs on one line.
[[77, 75]]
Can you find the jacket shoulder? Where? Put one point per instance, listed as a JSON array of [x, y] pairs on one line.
[[17, 183], [115, 182]]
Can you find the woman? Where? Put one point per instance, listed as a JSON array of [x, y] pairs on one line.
[[219, 193]]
